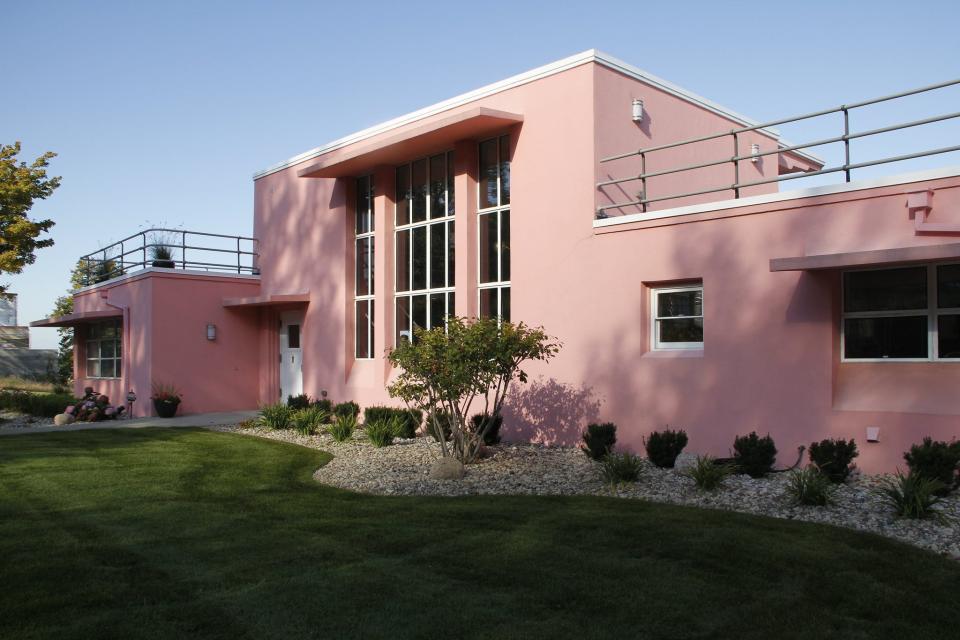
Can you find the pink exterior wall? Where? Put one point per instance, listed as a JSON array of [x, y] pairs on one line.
[[771, 360], [165, 315]]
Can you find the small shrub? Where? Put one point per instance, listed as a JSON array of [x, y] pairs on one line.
[[325, 404], [663, 447], [307, 421], [381, 432], [492, 436], [301, 401], [40, 405], [342, 428], [834, 458], [410, 419], [754, 455], [276, 416], [810, 487], [620, 467], [707, 473], [437, 421], [912, 495], [347, 408], [598, 440], [936, 460], [247, 424]]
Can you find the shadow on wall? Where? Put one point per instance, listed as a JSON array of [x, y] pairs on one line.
[[549, 412]]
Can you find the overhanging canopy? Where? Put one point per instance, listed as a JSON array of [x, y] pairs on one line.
[[413, 142], [267, 301], [80, 317], [866, 258]]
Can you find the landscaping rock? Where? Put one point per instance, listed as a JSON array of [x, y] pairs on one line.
[[685, 462], [62, 419], [446, 469]]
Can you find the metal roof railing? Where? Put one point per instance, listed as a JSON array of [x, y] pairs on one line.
[[171, 249], [737, 157]]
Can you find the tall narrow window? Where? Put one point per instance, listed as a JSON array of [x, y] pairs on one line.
[[103, 353], [424, 249], [363, 251], [493, 217]]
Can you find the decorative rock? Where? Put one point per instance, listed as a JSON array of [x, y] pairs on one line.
[[446, 469], [62, 419], [685, 462]]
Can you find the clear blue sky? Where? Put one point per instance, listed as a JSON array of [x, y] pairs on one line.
[[161, 112]]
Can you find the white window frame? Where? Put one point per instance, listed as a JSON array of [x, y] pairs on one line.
[[370, 296], [497, 211], [655, 319], [117, 357], [931, 311], [446, 220]]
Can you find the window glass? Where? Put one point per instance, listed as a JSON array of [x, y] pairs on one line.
[[419, 258], [488, 174], [403, 195], [102, 349], [488, 248], [419, 178], [403, 319], [438, 186], [438, 256], [949, 336], [363, 266], [505, 245], [450, 187], [504, 170], [948, 286], [488, 303], [505, 303], [680, 303], [681, 330], [364, 207], [419, 314], [886, 337], [293, 336], [363, 329], [885, 290], [678, 318], [438, 309], [403, 260], [451, 261]]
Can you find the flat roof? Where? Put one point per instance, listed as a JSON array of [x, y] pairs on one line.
[[591, 55]]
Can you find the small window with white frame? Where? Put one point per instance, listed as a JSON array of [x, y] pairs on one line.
[[909, 313], [677, 317], [493, 222], [103, 349]]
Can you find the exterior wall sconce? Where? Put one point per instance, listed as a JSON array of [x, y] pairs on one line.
[[211, 332], [637, 110], [755, 152], [873, 434]]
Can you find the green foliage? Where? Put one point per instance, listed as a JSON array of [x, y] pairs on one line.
[[451, 367], [598, 440], [620, 467], [301, 401], [707, 473], [343, 427], [936, 460], [663, 447], [834, 458], [308, 421], [410, 419], [381, 432], [40, 405], [810, 487], [276, 416], [325, 404], [487, 427], [754, 455], [348, 408], [912, 495], [20, 185]]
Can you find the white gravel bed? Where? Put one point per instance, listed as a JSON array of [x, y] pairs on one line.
[[403, 469], [16, 420]]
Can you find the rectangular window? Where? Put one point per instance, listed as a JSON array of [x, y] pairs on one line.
[[677, 317], [103, 349], [364, 255], [901, 313], [424, 244], [493, 218]]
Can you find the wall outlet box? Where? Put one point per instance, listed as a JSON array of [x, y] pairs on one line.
[[873, 434]]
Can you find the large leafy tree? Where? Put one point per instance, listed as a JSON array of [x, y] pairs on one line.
[[20, 185], [450, 372]]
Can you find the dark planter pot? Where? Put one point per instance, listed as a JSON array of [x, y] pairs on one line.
[[165, 408], [166, 264]]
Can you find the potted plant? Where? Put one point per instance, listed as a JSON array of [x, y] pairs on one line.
[[161, 252], [166, 399]]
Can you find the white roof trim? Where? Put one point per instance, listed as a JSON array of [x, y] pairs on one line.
[[139, 273], [591, 55], [796, 194]]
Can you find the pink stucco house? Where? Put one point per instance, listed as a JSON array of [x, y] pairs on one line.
[[687, 288]]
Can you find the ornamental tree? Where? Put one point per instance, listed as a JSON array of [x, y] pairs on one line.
[[467, 366], [20, 185]]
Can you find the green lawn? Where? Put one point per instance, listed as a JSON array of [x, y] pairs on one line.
[[160, 533]]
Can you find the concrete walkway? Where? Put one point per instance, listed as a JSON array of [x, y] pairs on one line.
[[196, 420]]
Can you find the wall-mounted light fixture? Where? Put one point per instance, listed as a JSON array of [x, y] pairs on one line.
[[211, 332], [755, 152], [873, 434], [637, 110]]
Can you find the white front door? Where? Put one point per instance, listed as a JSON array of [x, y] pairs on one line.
[[291, 354]]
